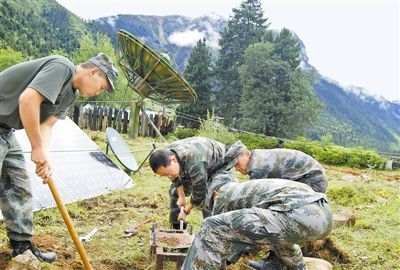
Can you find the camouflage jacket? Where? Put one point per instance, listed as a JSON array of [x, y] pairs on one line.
[[281, 163], [199, 159], [274, 194]]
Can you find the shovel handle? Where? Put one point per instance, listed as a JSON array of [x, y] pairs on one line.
[[70, 225]]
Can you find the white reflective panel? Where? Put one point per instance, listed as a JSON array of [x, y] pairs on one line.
[[81, 170]]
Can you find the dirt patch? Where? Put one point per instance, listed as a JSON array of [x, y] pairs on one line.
[[5, 257], [348, 170], [325, 249]]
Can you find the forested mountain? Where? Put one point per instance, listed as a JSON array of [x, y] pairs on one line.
[[352, 116], [37, 27]]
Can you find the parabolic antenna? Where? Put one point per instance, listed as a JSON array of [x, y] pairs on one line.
[[149, 73]]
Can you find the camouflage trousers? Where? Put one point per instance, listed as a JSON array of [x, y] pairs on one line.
[[15, 190], [224, 235]]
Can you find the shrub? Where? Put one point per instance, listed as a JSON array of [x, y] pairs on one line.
[[258, 141], [182, 133]]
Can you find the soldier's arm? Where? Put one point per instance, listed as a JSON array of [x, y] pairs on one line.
[[198, 176], [29, 110]]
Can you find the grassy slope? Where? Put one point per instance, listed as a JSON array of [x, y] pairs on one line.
[[374, 242]]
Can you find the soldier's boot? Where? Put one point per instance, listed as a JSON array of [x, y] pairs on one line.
[[20, 247], [271, 262]]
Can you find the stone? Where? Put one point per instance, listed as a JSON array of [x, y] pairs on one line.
[[344, 218], [317, 264], [25, 261]]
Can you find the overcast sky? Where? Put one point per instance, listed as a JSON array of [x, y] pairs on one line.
[[353, 42]]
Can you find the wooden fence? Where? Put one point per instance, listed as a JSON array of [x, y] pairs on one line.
[[100, 117]]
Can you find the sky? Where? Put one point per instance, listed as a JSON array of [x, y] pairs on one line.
[[354, 42]]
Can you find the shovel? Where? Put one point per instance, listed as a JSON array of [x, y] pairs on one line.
[[70, 225]]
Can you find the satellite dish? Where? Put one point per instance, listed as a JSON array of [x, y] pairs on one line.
[[122, 152], [149, 73]]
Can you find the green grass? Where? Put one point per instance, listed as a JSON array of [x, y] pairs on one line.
[[373, 196]]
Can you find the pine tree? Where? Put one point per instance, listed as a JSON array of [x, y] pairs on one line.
[[246, 27], [287, 48], [198, 74], [276, 100]]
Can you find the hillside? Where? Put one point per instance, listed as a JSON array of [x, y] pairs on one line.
[[371, 244], [35, 28]]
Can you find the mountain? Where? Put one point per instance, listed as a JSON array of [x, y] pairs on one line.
[[174, 35], [352, 115], [37, 27]]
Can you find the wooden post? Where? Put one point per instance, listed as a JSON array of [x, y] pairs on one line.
[[105, 120], [125, 123], [116, 112], [134, 119], [76, 115], [119, 121], [143, 122], [152, 132], [110, 117]]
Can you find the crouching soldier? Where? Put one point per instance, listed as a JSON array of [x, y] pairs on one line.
[[275, 212], [190, 164], [277, 163]]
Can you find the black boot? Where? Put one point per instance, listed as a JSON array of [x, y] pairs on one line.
[[20, 247], [271, 262]]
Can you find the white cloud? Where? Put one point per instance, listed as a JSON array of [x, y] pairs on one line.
[[187, 38]]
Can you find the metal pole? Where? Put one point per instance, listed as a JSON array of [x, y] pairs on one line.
[[70, 225]]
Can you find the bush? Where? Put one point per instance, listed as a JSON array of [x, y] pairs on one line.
[[215, 130], [258, 141], [182, 133], [337, 155]]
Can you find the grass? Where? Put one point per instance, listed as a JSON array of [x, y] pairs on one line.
[[373, 243]]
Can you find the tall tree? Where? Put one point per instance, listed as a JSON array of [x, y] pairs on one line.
[[276, 100], [198, 73], [246, 27], [287, 48]]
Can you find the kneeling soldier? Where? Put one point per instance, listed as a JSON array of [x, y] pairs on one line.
[[275, 212]]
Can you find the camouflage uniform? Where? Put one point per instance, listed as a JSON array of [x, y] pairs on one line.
[[274, 212], [15, 189], [200, 160], [282, 163]]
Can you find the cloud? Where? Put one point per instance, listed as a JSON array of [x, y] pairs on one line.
[[187, 38]]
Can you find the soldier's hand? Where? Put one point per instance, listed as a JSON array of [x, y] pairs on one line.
[[44, 171], [43, 167], [181, 202], [182, 216]]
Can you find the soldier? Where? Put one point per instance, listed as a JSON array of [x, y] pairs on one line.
[[277, 163], [275, 212], [33, 96], [190, 164]]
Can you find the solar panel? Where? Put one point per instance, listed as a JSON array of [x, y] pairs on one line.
[[81, 170]]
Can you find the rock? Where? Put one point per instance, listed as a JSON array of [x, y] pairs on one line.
[[317, 264], [25, 261], [349, 178], [344, 218]]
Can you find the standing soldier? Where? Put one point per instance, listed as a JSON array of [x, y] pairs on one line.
[[275, 212], [33, 96], [190, 164], [277, 163]]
